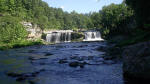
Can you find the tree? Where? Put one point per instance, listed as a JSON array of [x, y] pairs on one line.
[[11, 29], [113, 19], [3, 6], [141, 11], [96, 19]]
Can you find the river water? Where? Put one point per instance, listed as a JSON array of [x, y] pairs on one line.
[[63, 63]]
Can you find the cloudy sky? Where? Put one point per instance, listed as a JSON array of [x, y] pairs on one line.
[[81, 6]]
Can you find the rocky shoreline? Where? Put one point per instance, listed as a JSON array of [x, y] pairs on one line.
[[136, 61], [135, 58], [83, 59]]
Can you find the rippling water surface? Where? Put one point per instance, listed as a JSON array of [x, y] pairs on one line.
[[52, 64]]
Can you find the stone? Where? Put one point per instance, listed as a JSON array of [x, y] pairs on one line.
[[41, 70], [74, 57], [21, 78], [24, 76], [31, 82], [48, 54], [1, 14], [62, 61], [12, 74], [74, 64], [87, 61], [108, 57], [81, 65], [109, 62], [90, 57], [31, 51], [81, 46], [136, 60]]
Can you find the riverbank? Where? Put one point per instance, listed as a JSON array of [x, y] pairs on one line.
[[133, 51], [117, 44], [136, 61], [18, 44]]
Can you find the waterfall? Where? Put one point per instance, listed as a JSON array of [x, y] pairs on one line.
[[92, 36], [59, 36]]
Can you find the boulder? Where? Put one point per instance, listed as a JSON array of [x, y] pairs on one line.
[[31, 51], [62, 61], [13, 74], [48, 54], [24, 76], [136, 61], [74, 64]]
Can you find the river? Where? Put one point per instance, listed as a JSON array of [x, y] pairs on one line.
[[63, 63]]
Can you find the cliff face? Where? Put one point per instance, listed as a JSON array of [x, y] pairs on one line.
[[136, 60], [34, 32]]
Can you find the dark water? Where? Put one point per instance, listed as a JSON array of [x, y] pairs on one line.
[[50, 65]]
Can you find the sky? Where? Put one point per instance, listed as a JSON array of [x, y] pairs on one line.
[[81, 6]]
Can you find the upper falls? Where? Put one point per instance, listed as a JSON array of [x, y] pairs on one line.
[[65, 36], [92, 36], [59, 36]]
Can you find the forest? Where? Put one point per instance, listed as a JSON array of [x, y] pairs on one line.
[[119, 53], [126, 19]]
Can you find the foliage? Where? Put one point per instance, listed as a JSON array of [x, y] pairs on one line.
[[11, 30], [139, 36], [38, 12], [141, 11], [17, 44], [113, 19], [13, 12], [77, 36]]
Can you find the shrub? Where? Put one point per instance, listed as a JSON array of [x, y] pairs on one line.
[[11, 30]]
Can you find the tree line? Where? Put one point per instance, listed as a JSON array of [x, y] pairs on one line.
[[13, 12], [38, 12], [114, 19], [130, 18]]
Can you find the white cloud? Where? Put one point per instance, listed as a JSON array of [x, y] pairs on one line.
[[62, 7]]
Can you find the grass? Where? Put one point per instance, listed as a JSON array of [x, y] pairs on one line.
[[18, 44]]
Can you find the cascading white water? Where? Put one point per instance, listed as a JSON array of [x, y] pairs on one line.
[[65, 36], [92, 36], [59, 36]]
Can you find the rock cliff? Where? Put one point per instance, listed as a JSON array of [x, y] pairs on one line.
[[34, 32], [136, 60]]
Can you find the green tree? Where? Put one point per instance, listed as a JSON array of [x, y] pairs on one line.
[[11, 30]]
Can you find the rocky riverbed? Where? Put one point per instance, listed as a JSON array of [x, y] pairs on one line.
[[64, 63]]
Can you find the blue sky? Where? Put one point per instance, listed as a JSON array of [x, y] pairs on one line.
[[81, 6]]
